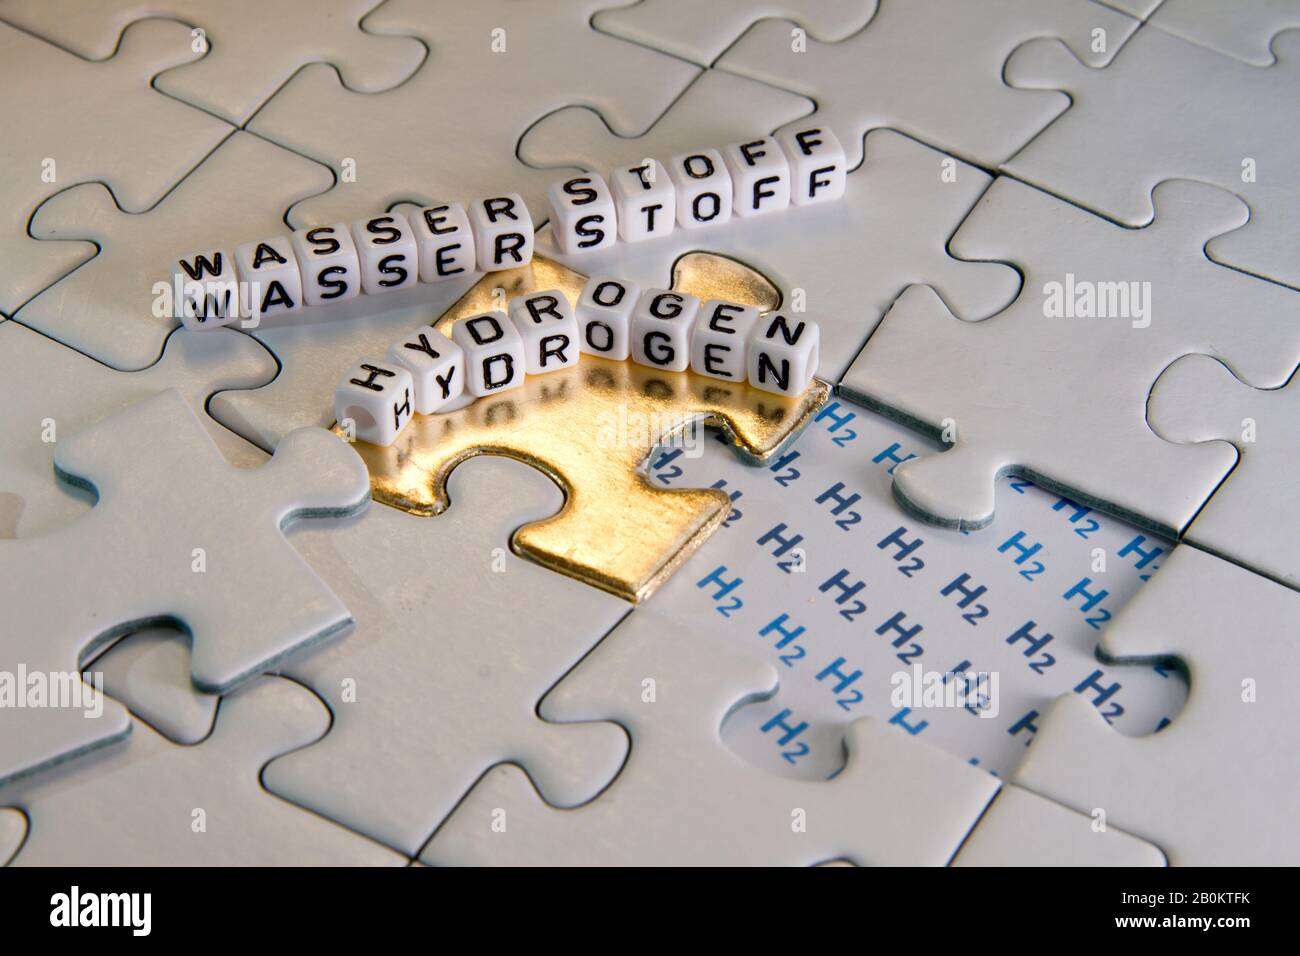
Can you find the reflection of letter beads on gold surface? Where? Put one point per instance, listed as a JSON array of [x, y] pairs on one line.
[[491, 352]]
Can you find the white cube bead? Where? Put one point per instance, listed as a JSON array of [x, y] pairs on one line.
[[206, 289], [582, 213], [386, 248], [704, 194], [376, 397], [721, 338], [782, 355], [550, 332], [269, 271], [645, 200], [760, 176], [662, 323], [327, 260], [604, 315], [818, 170], [436, 364], [494, 353], [503, 232], [445, 240]]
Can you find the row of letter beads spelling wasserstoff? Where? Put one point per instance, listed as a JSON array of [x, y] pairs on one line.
[[427, 372]]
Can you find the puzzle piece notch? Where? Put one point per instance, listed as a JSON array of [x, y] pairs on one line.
[[900, 207], [730, 813], [1198, 399], [628, 85], [255, 47], [682, 28], [138, 804], [1167, 109], [878, 77], [105, 308], [51, 391], [1206, 787], [149, 672], [111, 137], [1192, 305], [1241, 30], [212, 537]]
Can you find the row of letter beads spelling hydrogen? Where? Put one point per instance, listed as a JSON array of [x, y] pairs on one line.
[[338, 262], [427, 372], [701, 188]]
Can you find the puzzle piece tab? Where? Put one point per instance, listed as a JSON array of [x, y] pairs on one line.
[[252, 47], [1054, 388], [1214, 787], [1197, 399], [504, 56], [1241, 30], [1169, 109], [106, 308], [121, 133], [150, 802], [885, 74], [211, 537]]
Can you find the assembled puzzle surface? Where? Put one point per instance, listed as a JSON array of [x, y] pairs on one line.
[[1013, 580]]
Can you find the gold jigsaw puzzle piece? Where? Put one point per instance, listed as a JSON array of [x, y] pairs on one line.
[[590, 427]]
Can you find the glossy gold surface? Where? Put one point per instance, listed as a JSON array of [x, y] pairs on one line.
[[590, 428]]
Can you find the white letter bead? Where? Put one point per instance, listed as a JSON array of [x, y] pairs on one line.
[[760, 176], [436, 364], [269, 270], [494, 353], [327, 260], [582, 213], [720, 340], [503, 232], [605, 316], [445, 241], [206, 287], [377, 398], [386, 247], [703, 188], [645, 199], [550, 332], [818, 171], [783, 354], [661, 329]]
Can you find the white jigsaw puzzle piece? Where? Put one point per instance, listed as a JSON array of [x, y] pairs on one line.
[[50, 391], [896, 215], [700, 32], [149, 673], [1021, 828], [1167, 109], [519, 61], [1244, 30], [69, 121], [150, 802], [947, 90], [255, 47], [13, 830], [106, 308], [683, 798], [211, 536], [1061, 400], [1216, 786], [1197, 399], [456, 642]]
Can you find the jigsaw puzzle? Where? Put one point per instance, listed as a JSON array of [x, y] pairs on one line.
[[1013, 582]]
